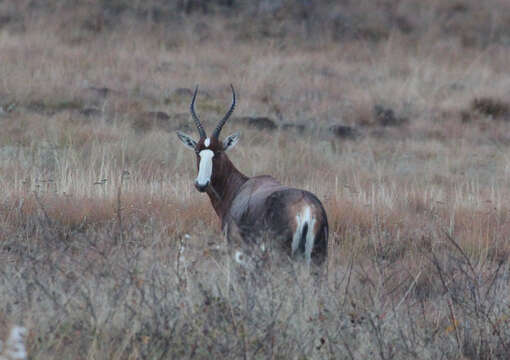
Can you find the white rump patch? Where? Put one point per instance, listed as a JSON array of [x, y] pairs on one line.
[[207, 142], [303, 218], [205, 167]]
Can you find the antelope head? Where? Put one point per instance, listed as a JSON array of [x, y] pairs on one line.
[[210, 151]]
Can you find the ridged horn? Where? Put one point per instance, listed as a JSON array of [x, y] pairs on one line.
[[217, 131], [200, 128]]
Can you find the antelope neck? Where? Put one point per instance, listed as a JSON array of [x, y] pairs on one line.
[[226, 182]]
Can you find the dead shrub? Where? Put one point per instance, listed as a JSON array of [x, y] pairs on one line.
[[495, 108]]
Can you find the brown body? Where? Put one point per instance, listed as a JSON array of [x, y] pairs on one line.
[[259, 205]]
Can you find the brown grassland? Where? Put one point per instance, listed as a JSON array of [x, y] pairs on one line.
[[108, 252]]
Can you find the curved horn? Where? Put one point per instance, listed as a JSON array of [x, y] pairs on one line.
[[217, 131], [201, 130]]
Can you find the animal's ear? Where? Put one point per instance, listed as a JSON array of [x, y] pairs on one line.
[[231, 141], [187, 140]]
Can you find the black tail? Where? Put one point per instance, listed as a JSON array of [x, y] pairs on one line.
[[302, 241]]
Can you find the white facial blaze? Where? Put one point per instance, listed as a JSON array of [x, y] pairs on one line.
[[207, 142], [205, 167]]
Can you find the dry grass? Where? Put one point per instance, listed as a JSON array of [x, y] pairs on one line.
[[418, 212]]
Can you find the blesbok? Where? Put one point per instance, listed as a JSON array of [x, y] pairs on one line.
[[256, 205]]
